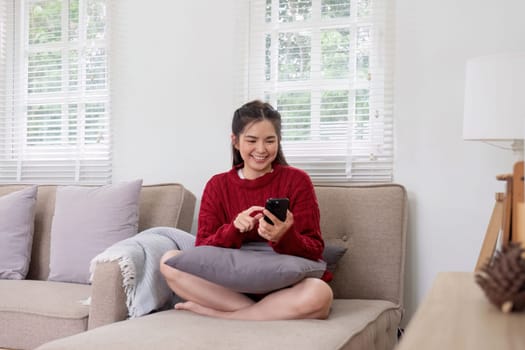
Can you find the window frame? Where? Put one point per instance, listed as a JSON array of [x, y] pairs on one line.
[[60, 161], [372, 152]]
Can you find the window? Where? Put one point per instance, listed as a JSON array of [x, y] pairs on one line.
[[326, 66], [54, 107]]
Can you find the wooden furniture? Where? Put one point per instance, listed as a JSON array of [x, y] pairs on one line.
[[518, 205], [457, 315], [508, 216]]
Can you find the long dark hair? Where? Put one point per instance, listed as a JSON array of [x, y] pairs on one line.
[[256, 111]]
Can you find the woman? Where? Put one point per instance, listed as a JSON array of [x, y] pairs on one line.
[[231, 214]]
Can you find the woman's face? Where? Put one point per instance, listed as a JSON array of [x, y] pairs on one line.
[[258, 144]]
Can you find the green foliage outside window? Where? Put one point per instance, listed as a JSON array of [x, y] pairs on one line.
[[45, 22], [334, 113], [335, 8], [294, 10], [335, 49], [294, 56], [296, 114]]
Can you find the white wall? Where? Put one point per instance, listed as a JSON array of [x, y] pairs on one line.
[[172, 90], [451, 182], [172, 113]]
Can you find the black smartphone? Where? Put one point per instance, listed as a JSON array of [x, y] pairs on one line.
[[278, 207]]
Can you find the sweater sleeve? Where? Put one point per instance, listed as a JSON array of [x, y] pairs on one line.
[[304, 237], [214, 227]]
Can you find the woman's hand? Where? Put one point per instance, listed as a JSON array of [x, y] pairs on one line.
[[245, 222], [274, 232]]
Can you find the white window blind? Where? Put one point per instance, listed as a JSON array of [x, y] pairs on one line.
[[55, 107], [326, 65]]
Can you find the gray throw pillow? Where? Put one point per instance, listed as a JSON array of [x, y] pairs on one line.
[[331, 254], [251, 269], [17, 215], [88, 220]]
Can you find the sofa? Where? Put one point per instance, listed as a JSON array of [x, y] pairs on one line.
[[34, 311], [370, 221]]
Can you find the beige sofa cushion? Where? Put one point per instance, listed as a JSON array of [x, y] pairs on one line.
[[34, 312], [371, 221], [362, 321]]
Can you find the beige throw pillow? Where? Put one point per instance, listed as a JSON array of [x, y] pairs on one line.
[[88, 220], [17, 214]]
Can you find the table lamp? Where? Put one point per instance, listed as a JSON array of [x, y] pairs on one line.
[[494, 112]]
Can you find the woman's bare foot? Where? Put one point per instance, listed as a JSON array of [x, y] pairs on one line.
[[199, 309]]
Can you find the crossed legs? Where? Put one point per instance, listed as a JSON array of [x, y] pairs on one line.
[[310, 298]]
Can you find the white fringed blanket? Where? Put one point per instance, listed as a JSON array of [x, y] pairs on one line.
[[138, 258]]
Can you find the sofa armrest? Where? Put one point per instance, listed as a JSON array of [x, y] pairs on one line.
[[108, 299]]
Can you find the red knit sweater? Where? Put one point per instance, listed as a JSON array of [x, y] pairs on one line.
[[226, 195]]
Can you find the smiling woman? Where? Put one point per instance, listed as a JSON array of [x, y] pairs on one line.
[[232, 215], [258, 146], [247, 117]]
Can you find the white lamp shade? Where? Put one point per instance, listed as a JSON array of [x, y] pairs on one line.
[[495, 98]]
